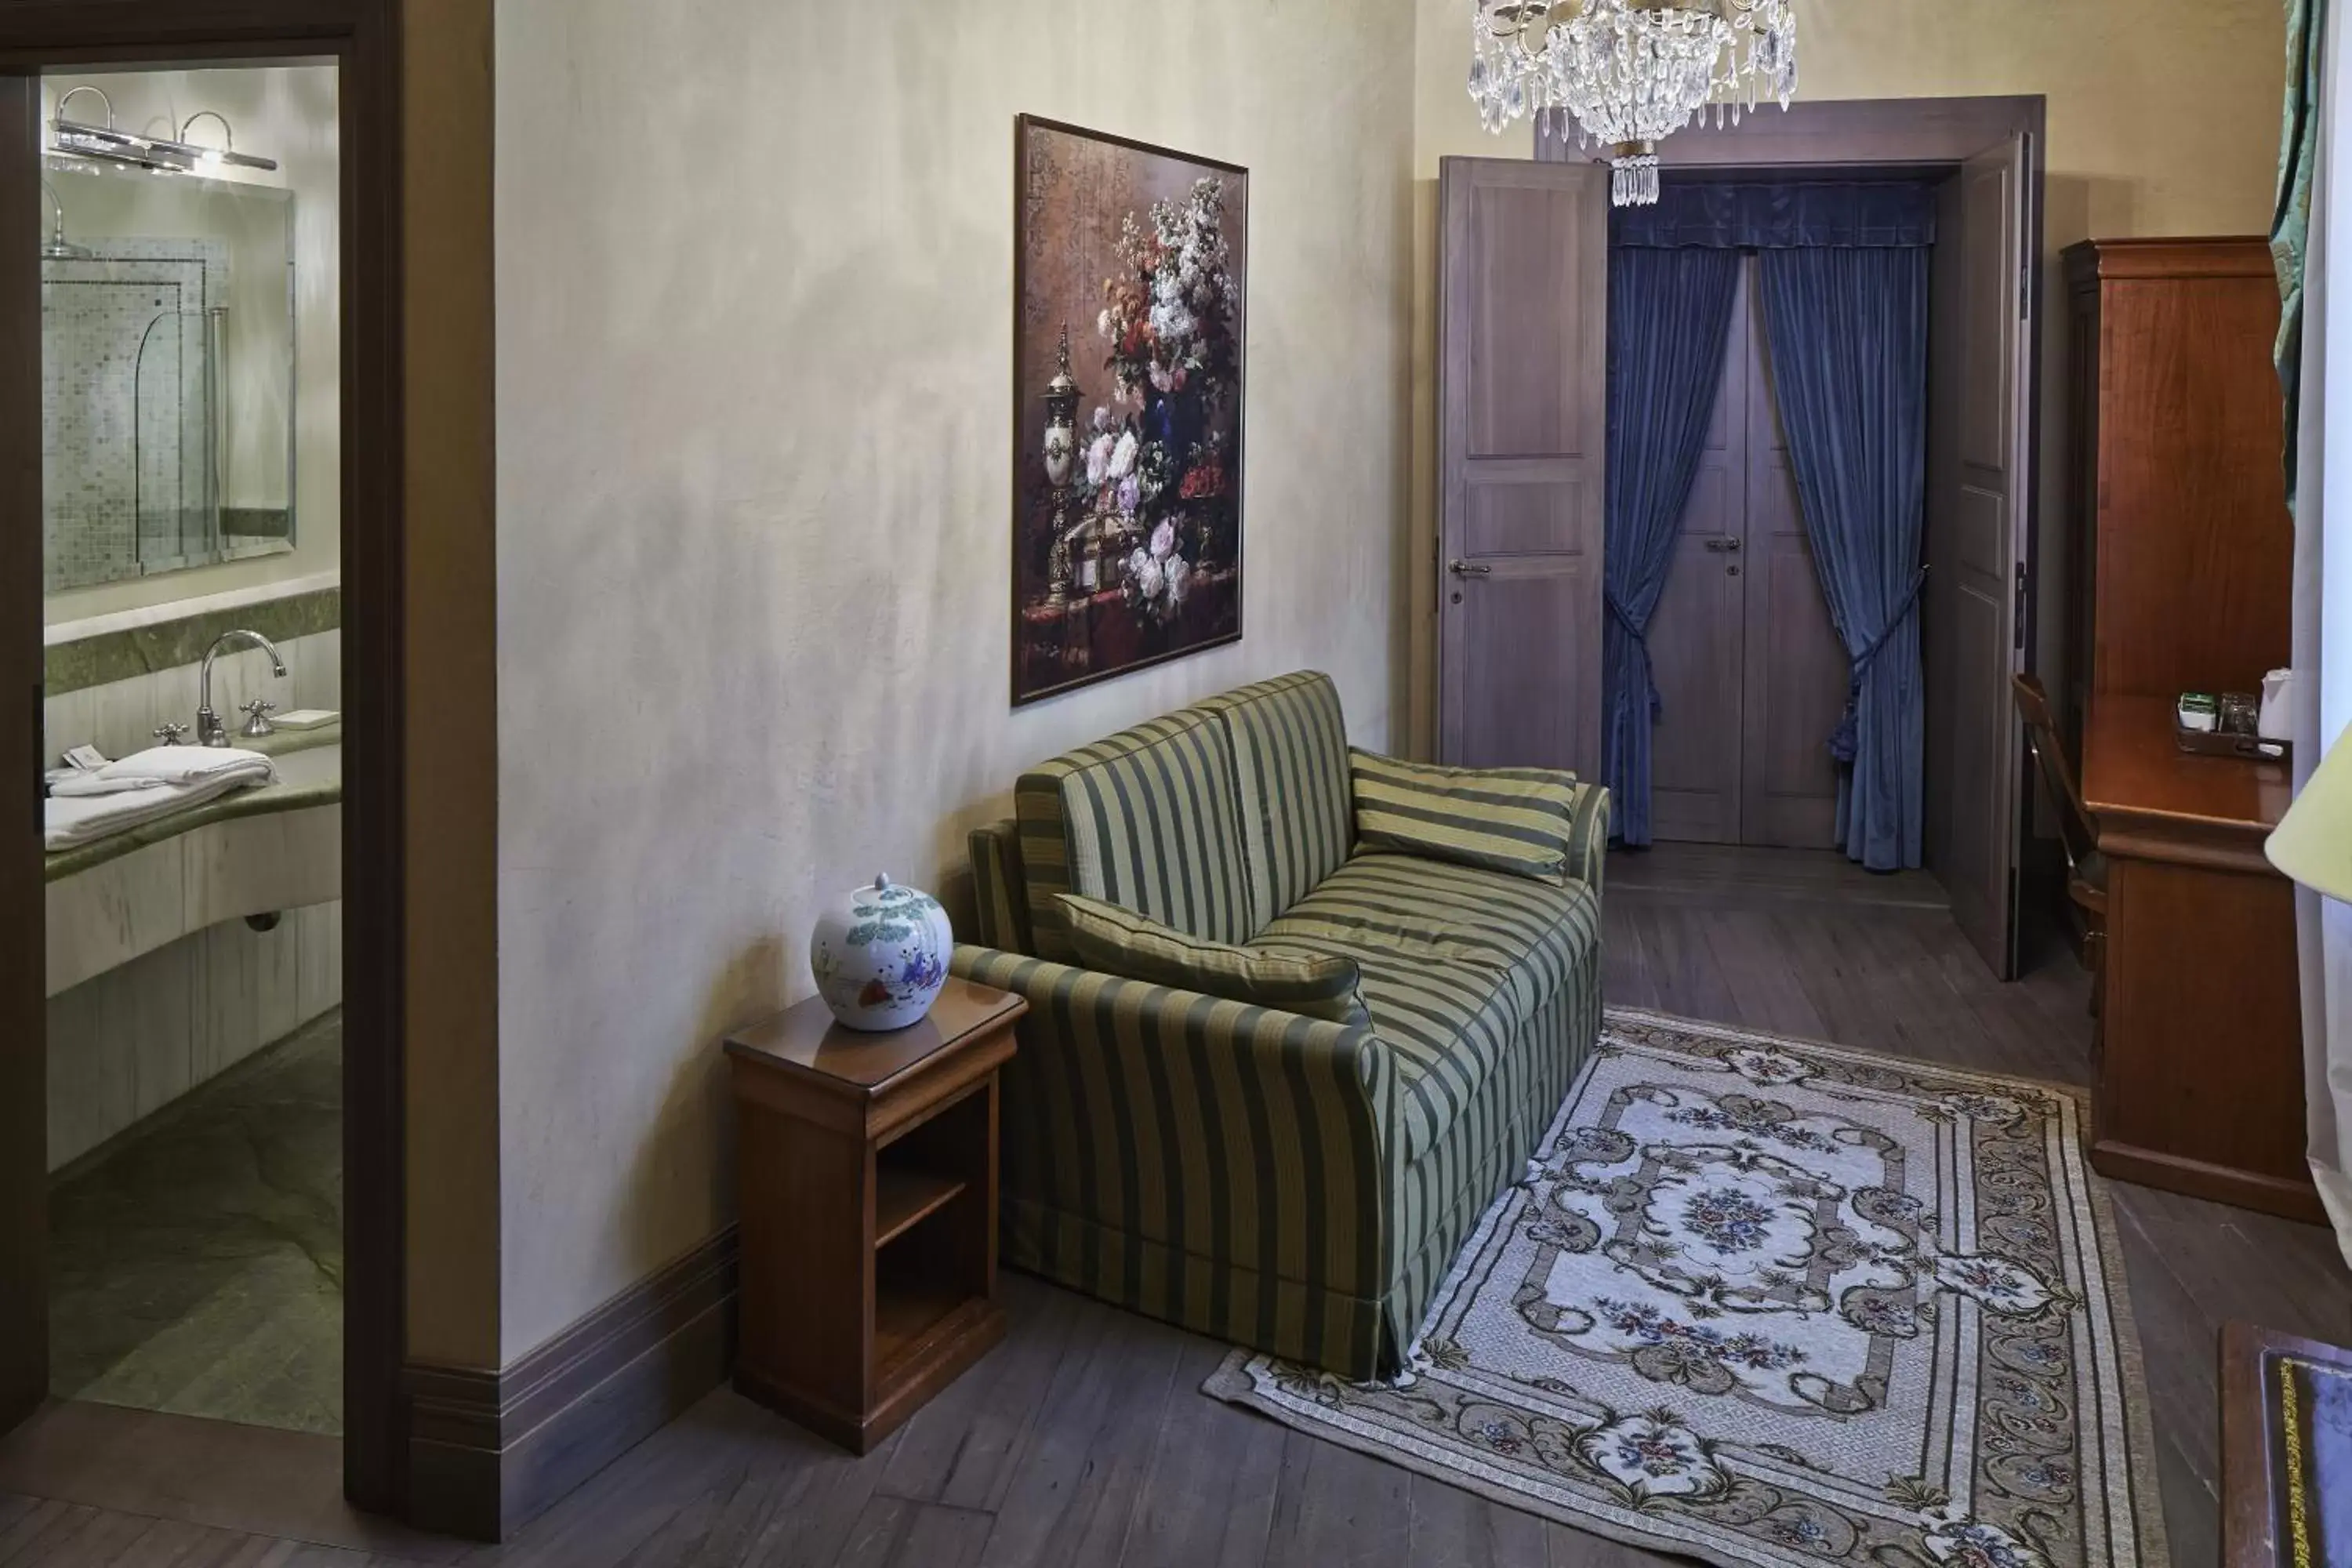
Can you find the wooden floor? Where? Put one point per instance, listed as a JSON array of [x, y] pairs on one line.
[[1084, 1440]]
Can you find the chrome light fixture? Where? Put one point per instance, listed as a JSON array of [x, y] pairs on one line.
[[1629, 72], [162, 154]]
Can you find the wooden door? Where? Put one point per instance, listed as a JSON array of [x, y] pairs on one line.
[[1795, 668], [1979, 539], [1695, 633], [1523, 289], [1751, 677], [24, 1099]]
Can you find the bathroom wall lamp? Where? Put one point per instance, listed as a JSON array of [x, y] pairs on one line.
[[59, 247], [165, 154]]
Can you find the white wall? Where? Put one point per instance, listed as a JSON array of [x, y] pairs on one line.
[[755, 294], [289, 113]]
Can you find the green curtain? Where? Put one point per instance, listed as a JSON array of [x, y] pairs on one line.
[[2291, 220]]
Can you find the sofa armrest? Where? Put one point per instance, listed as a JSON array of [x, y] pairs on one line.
[[1212, 1128], [1587, 838], [1000, 899]]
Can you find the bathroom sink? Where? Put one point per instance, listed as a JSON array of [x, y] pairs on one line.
[[311, 776]]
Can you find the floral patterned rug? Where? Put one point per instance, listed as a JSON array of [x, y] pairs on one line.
[[1762, 1301]]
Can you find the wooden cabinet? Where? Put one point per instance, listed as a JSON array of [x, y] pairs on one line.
[[2184, 553], [868, 1209], [2175, 489]]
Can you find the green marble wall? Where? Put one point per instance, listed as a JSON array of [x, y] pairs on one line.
[[167, 645]]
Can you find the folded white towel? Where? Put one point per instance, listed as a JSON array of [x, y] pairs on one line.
[[170, 767], [70, 820]]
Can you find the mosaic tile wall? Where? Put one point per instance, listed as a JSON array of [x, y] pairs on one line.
[[126, 438]]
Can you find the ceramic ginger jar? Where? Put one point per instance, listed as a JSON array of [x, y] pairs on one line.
[[880, 955]]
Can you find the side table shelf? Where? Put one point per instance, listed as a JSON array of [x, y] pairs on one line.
[[868, 1209]]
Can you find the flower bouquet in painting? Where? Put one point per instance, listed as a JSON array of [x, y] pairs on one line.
[[1128, 551], [1167, 327]]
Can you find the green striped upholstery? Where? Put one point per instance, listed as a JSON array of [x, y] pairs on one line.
[[1522, 820], [1003, 918], [1290, 765], [1456, 960], [1121, 942], [1445, 1191], [1291, 1184], [1146, 819], [1194, 1159], [1588, 836], [1218, 1165]]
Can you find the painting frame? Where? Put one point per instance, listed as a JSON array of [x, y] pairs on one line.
[[1056, 644]]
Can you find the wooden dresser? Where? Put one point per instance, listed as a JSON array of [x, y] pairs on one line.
[[2184, 553]]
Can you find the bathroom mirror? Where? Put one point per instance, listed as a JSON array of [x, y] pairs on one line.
[[168, 366]]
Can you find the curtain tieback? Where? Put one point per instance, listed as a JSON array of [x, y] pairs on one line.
[[1845, 739], [1617, 613]]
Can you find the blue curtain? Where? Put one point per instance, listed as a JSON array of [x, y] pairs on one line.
[[1848, 333], [1669, 314]]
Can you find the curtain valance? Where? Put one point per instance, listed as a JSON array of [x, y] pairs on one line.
[[1747, 215]]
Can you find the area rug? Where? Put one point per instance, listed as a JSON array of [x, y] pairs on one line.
[[1763, 1300]]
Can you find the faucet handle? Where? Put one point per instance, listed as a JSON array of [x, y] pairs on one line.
[[170, 734], [256, 718]]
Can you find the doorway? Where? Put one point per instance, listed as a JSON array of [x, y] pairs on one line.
[[1750, 672], [203, 435], [1521, 449]]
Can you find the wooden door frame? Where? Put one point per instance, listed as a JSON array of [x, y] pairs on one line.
[[363, 37], [1888, 134], [1884, 135]]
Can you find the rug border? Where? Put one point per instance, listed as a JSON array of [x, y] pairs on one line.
[[1232, 1383], [2079, 1093]]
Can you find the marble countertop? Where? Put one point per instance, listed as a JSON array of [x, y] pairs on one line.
[[310, 773]]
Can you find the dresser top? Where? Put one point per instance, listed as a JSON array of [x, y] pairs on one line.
[[805, 1041], [2197, 255], [2134, 769]]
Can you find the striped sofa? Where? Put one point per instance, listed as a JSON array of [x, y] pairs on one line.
[[1289, 1184]]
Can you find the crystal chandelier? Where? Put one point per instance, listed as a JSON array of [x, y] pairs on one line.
[[1631, 72]]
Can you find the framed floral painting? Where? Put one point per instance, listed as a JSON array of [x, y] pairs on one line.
[[1129, 277]]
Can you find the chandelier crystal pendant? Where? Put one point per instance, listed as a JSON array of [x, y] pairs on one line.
[[1630, 73]]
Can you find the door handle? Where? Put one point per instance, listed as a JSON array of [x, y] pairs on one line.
[[1723, 543], [1460, 568]]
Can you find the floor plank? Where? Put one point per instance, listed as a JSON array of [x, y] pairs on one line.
[[1208, 1501], [1077, 1478], [1336, 1505]]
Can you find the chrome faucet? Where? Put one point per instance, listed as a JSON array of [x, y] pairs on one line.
[[210, 731]]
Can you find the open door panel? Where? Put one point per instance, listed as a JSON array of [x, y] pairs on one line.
[[1523, 266], [1979, 514]]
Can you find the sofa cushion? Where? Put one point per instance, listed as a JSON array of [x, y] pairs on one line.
[[1146, 819], [1114, 941], [1521, 820], [1290, 762], [1455, 959]]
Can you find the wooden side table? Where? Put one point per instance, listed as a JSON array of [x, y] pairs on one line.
[[868, 1209]]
